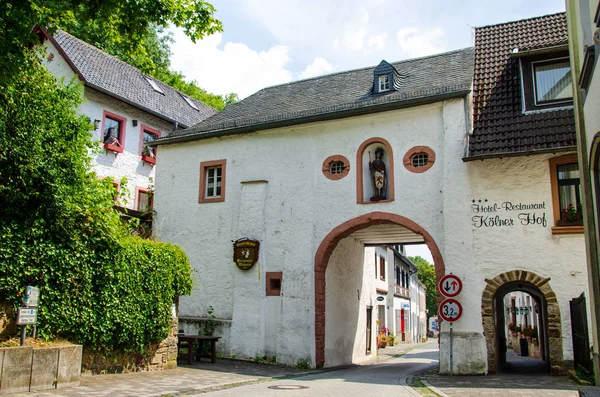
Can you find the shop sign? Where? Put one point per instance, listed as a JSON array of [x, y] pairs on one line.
[[245, 253], [487, 214]]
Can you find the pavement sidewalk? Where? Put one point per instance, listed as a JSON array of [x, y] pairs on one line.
[[198, 377]]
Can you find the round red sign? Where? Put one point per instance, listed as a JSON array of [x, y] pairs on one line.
[[450, 310], [450, 285]]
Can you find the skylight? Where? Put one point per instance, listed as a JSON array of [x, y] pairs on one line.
[[190, 102], [153, 84]]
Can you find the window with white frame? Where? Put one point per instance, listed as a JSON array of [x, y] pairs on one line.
[[213, 182], [384, 83]]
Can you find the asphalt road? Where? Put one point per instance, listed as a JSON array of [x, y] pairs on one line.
[[382, 379]]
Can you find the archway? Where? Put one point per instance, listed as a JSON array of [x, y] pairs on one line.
[[550, 334], [327, 247]]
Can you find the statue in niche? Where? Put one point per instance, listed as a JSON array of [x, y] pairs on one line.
[[378, 175]]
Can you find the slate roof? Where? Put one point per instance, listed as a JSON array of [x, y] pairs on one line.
[[118, 79], [339, 95], [499, 125]]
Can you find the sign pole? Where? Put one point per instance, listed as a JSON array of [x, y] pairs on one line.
[[23, 334], [451, 349]]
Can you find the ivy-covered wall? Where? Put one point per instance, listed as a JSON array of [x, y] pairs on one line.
[[100, 286]]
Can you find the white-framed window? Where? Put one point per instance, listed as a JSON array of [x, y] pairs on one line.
[[213, 182], [384, 83]]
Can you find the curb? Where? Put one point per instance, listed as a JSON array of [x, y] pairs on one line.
[[433, 388]]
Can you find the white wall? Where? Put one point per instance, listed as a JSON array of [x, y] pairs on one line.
[[301, 206]]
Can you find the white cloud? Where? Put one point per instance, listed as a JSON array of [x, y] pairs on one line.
[[318, 67], [235, 68], [377, 41], [416, 44]]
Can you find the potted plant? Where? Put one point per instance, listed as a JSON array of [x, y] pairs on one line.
[[513, 329], [571, 216], [382, 338], [148, 155]]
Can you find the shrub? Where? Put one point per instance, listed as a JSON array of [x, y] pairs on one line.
[[99, 285]]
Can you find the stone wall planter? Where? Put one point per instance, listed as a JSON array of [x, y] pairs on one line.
[[25, 369]]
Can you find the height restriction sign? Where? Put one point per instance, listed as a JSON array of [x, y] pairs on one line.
[[450, 286], [450, 310]]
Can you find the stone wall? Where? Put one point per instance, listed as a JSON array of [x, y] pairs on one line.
[[159, 356]]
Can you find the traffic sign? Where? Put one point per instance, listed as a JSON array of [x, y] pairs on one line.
[[450, 285], [450, 310], [26, 316]]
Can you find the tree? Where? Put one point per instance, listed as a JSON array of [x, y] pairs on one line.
[[125, 23], [427, 277], [99, 285]]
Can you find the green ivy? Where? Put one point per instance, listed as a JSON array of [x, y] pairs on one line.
[[100, 286]]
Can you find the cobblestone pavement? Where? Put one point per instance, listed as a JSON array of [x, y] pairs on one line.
[[528, 378]]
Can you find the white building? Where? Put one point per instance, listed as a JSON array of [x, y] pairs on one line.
[[295, 167], [128, 109]]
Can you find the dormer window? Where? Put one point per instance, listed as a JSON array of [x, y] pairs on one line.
[[384, 83], [385, 78], [546, 81], [154, 85]]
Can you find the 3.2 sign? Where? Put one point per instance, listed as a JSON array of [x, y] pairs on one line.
[[450, 310], [450, 286]]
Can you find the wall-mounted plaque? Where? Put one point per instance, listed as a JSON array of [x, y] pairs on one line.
[[245, 253]]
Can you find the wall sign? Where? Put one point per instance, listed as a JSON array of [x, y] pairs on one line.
[[487, 214], [245, 253], [380, 298]]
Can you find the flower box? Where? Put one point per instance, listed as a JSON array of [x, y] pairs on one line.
[[113, 148], [149, 160], [564, 222]]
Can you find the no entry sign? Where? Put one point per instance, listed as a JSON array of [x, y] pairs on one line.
[[450, 286], [450, 310]]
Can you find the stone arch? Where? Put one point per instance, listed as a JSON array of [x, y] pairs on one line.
[[327, 247], [552, 314]]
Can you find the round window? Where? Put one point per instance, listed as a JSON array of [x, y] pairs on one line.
[[419, 159], [336, 167]]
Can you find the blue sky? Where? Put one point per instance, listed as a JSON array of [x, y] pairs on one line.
[[268, 42]]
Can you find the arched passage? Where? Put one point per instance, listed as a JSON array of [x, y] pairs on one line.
[[327, 247], [529, 282]]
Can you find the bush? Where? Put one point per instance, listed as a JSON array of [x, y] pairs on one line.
[[99, 285]]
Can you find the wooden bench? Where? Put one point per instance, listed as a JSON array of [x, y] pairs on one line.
[[189, 342]]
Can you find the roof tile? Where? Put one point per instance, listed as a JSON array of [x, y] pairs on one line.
[[497, 108], [121, 80]]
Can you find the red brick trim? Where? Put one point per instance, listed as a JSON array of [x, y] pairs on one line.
[[122, 129], [203, 166], [139, 190], [330, 242], [270, 277], [145, 128], [359, 171], [407, 160], [327, 166], [555, 162]]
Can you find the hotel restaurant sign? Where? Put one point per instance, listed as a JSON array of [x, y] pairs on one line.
[[486, 214]]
